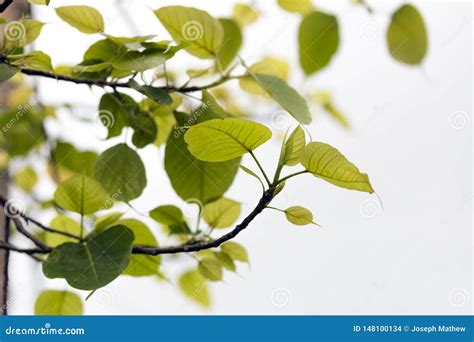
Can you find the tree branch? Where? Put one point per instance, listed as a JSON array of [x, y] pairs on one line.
[[5, 5]]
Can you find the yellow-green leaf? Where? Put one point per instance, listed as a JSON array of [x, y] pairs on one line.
[[269, 66], [84, 18], [167, 214], [194, 286], [293, 147], [58, 303], [296, 6], [299, 216], [244, 14], [36, 60], [39, 2], [33, 29], [230, 44], [82, 194], [26, 179], [324, 99], [202, 32], [221, 213], [235, 251], [210, 268], [64, 224], [326, 162], [220, 140], [406, 36]]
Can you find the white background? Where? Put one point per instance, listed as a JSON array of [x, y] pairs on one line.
[[412, 257]]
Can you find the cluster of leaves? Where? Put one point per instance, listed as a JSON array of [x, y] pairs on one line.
[[204, 147]]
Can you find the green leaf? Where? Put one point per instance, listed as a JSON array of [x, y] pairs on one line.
[[326, 162], [26, 179], [221, 213], [406, 36], [203, 33], [33, 29], [286, 96], [222, 140], [179, 228], [64, 224], [141, 61], [157, 94], [235, 251], [145, 130], [296, 6], [293, 148], [192, 178], [231, 43], [210, 109], [39, 2], [318, 39], [94, 264], [58, 303], [116, 111], [299, 216], [194, 286], [65, 155], [36, 60], [105, 50], [141, 265], [269, 66], [7, 72], [84, 18], [244, 14], [81, 194], [167, 214], [210, 268], [226, 261], [121, 172], [107, 221]]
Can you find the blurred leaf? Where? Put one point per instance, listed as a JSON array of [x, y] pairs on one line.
[[116, 112], [84, 18], [26, 179], [325, 100], [141, 61], [235, 251], [406, 36], [244, 14], [121, 172], [64, 224], [33, 29], [145, 130], [167, 214], [299, 216], [296, 6], [221, 140], [221, 213], [85, 266], [65, 155], [225, 260], [326, 162], [7, 72], [81, 194], [318, 39], [269, 66], [58, 303], [107, 220], [231, 43], [194, 286], [210, 269], [203, 33]]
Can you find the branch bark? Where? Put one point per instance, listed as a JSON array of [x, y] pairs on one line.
[[5, 5]]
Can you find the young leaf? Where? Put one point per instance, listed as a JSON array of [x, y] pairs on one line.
[[221, 140], [36, 60], [193, 178], [285, 96], [211, 269], [203, 33], [84, 18], [293, 148], [226, 261], [81, 194], [143, 60], [141, 265], [107, 221], [326, 162], [64, 224], [32, 30], [221, 213], [58, 303], [167, 214], [235, 251], [231, 43], [406, 36], [296, 6], [244, 14], [121, 172], [253, 174], [26, 179], [318, 39], [93, 264], [324, 99], [194, 286], [299, 216]]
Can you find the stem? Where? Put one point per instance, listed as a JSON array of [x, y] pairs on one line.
[[280, 210], [292, 175], [261, 168]]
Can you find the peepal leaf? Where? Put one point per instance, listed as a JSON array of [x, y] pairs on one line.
[[406, 36], [194, 286], [84, 18], [81, 194], [318, 39], [235, 251], [121, 172], [210, 268], [58, 303], [202, 32], [326, 162], [286, 96], [93, 264], [221, 213], [167, 214], [293, 148], [299, 216], [220, 140]]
